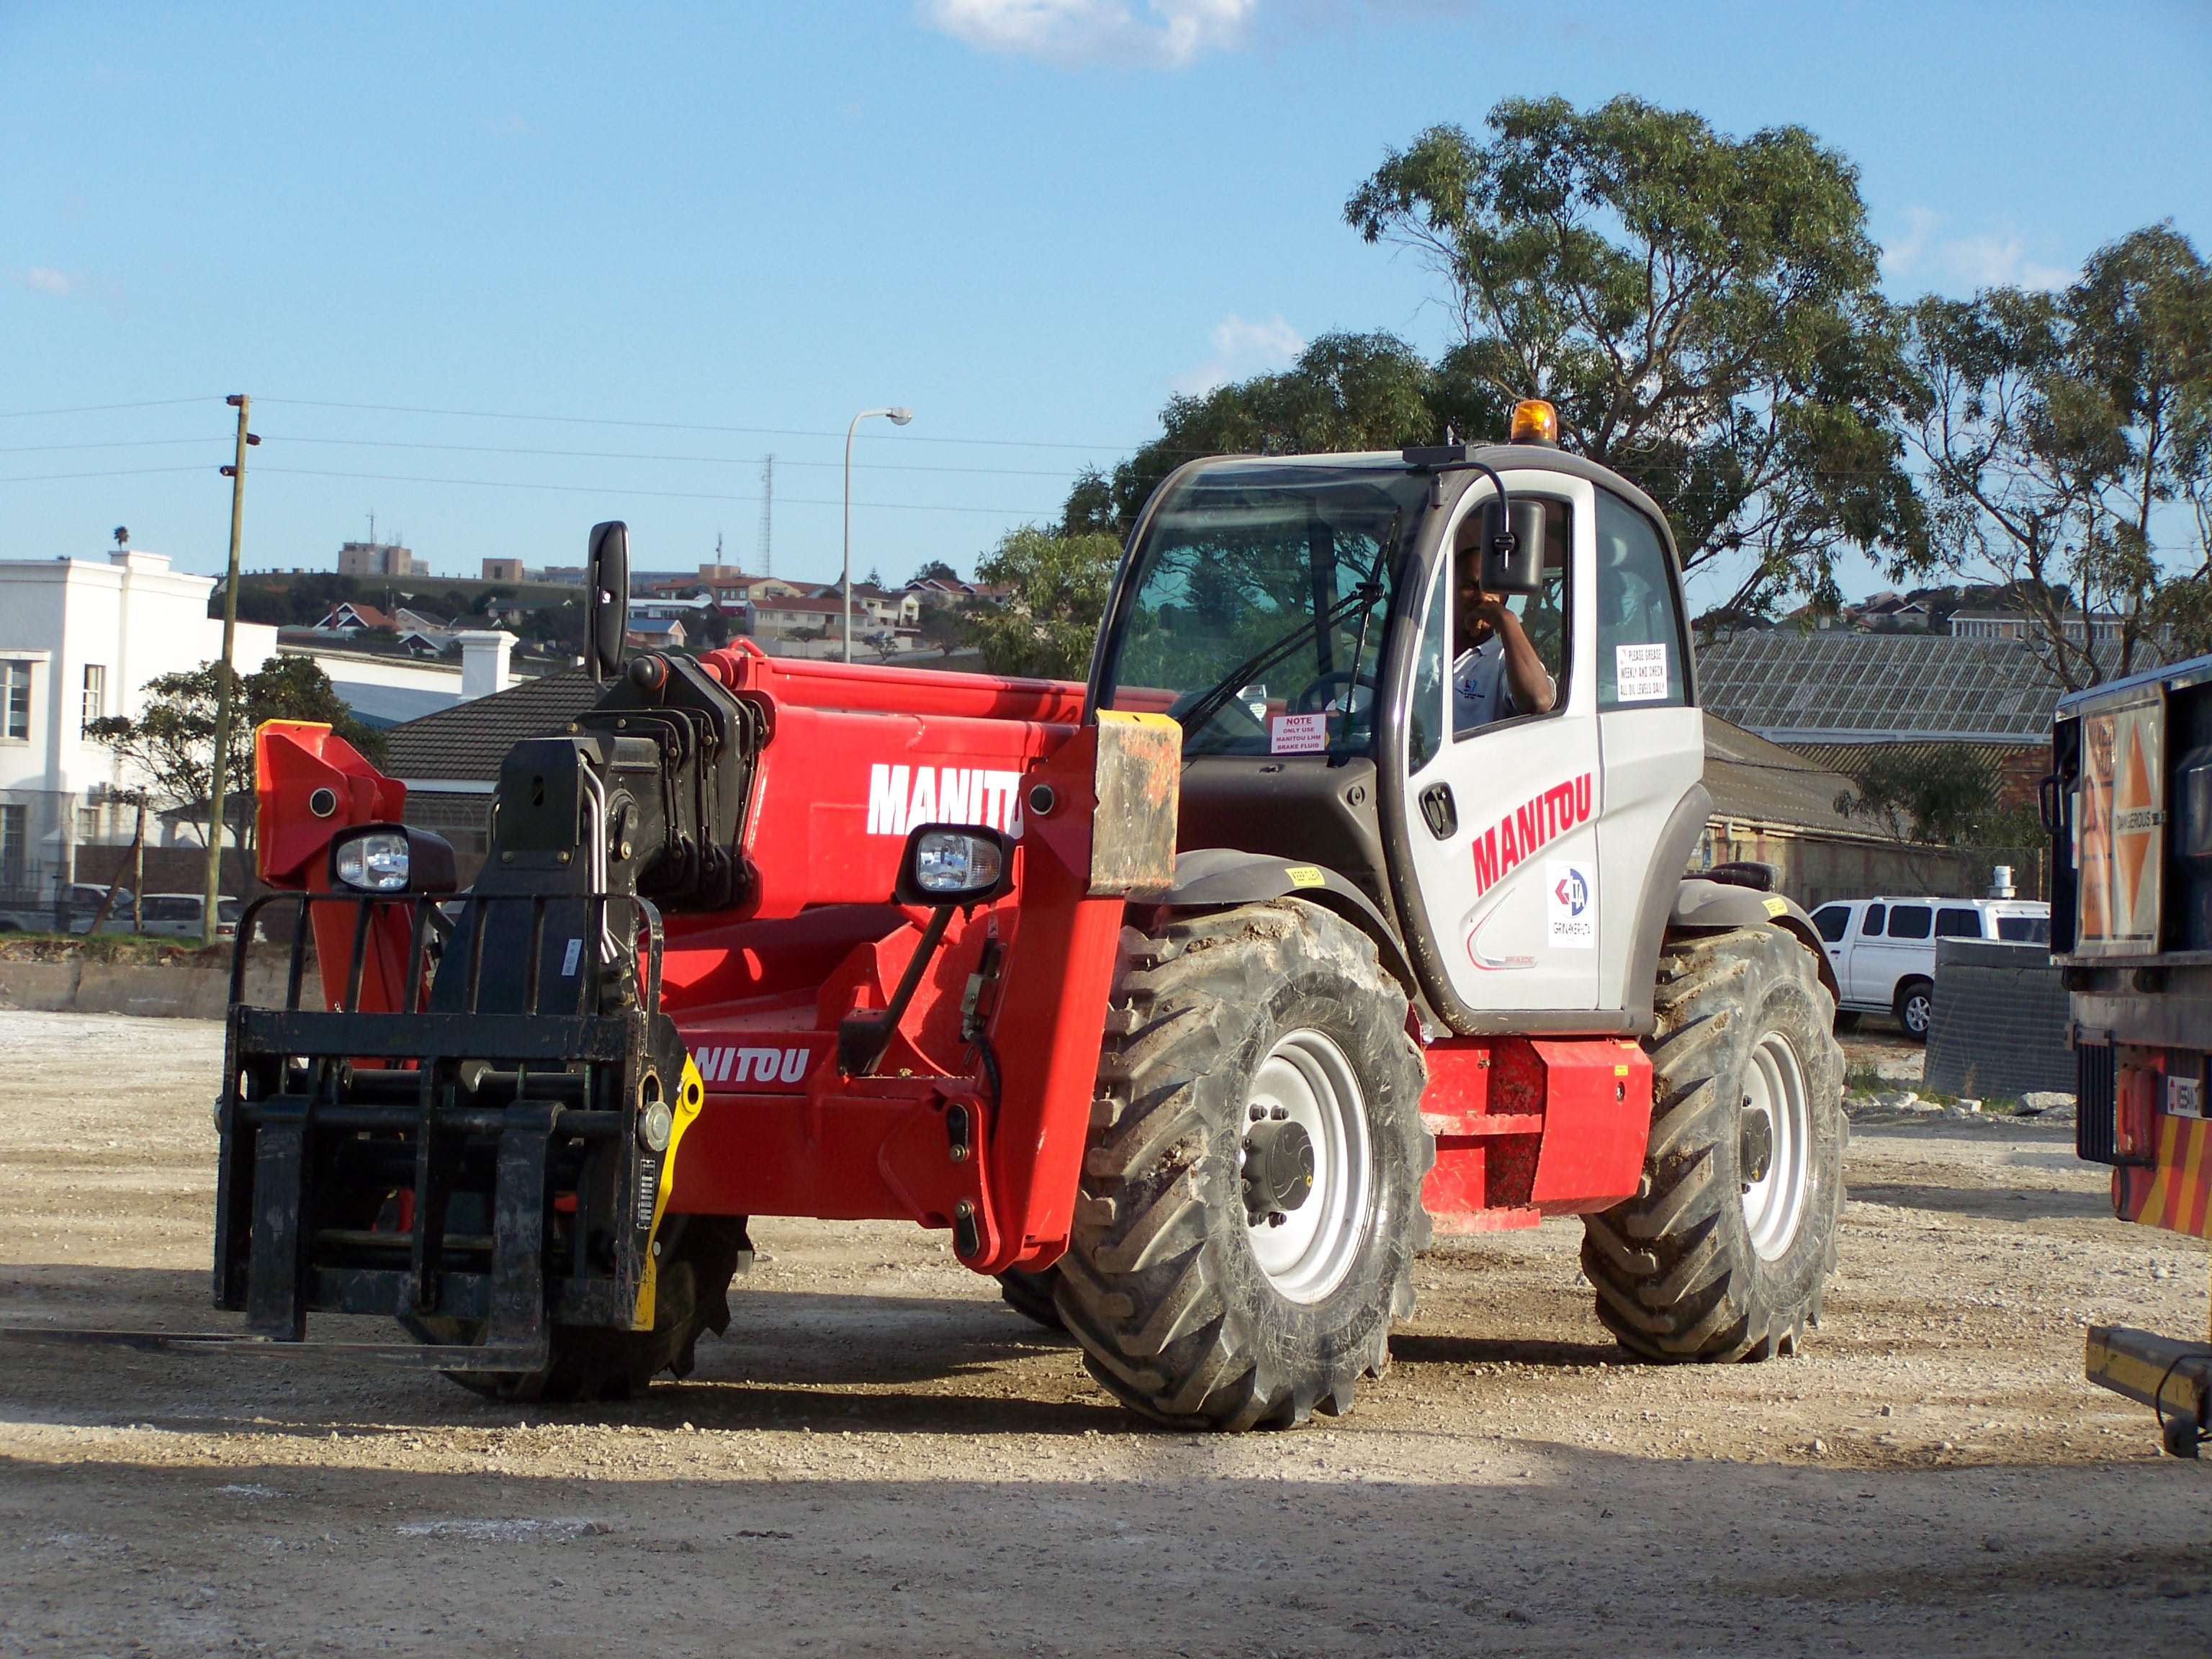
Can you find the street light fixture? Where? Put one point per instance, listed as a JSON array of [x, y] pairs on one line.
[[898, 418]]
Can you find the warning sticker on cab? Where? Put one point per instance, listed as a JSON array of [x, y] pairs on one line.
[[1297, 734], [1639, 672]]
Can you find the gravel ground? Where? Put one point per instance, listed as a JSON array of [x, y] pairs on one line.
[[880, 1459]]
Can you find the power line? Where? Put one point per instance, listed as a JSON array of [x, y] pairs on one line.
[[121, 443], [629, 455], [613, 490], [127, 472], [102, 409], [676, 426]]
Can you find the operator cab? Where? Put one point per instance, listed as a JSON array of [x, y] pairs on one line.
[[1509, 780]]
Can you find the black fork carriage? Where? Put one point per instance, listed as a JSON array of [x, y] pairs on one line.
[[482, 1163]]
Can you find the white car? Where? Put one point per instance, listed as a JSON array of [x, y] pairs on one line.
[[1883, 949], [177, 915]]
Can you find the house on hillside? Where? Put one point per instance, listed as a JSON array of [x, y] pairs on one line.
[[655, 633], [2102, 628], [793, 617]]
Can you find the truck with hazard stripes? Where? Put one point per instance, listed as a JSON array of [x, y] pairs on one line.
[[2128, 806]]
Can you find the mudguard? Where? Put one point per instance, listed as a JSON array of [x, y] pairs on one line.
[[1210, 876], [1701, 905]]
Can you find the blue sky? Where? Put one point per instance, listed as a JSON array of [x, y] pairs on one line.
[[681, 237]]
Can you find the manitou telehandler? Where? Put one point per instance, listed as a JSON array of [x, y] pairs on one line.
[[2128, 805], [1188, 1000]]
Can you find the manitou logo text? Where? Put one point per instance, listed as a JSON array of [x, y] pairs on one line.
[[901, 797], [762, 1067], [1527, 826]]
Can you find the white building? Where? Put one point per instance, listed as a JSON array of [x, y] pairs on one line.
[[79, 640], [383, 689]]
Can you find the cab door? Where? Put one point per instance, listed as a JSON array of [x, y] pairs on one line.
[[1503, 819]]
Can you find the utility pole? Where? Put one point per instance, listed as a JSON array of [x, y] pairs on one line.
[[226, 695]]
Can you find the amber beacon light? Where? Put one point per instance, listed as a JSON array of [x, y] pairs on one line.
[[1535, 421]]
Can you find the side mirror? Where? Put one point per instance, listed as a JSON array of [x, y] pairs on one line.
[[952, 864], [391, 858], [1513, 553], [606, 604]]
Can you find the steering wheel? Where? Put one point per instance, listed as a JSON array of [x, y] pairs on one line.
[[1338, 685]]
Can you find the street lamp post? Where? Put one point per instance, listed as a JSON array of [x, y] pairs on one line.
[[898, 418]]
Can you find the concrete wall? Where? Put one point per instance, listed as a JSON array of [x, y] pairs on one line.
[[79, 986], [2000, 1021], [1817, 868]]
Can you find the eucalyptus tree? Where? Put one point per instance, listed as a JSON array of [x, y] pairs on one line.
[[1702, 309]]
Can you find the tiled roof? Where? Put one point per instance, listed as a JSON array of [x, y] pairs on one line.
[[1839, 687], [466, 743], [1749, 777]]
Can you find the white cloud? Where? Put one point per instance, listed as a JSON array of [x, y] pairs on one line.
[[45, 279], [1986, 260], [1167, 34], [1241, 349]]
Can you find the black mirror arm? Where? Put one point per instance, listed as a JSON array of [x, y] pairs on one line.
[[862, 1038], [1504, 541]]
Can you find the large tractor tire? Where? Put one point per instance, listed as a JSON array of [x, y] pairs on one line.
[[1251, 1197], [700, 1255], [1030, 1295], [1724, 1252]]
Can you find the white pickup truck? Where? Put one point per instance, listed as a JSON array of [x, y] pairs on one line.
[[1883, 949]]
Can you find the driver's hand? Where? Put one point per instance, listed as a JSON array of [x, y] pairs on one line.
[[1489, 608]]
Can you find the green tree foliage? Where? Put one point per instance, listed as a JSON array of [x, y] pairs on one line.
[[298, 601], [1047, 623], [1346, 392], [1701, 309], [2061, 431], [1947, 795], [170, 744], [707, 628], [936, 570]]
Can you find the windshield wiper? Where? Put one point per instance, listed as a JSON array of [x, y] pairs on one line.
[[1210, 702]]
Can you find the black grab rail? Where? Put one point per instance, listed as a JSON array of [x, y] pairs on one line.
[[427, 918]]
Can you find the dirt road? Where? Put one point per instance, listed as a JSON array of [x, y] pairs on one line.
[[883, 1460]]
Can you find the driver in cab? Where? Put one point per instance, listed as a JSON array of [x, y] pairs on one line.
[[1497, 674]]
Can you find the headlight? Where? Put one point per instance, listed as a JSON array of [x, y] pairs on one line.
[[952, 864], [374, 863], [391, 858], [948, 864]]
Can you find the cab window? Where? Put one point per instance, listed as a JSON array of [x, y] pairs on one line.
[[1910, 921], [1832, 920], [1871, 927], [1481, 687], [1958, 922], [1424, 718], [1639, 626]]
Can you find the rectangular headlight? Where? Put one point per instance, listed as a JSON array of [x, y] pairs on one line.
[[374, 863], [948, 864]]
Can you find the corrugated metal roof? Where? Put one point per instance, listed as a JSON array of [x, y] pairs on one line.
[[1831, 687]]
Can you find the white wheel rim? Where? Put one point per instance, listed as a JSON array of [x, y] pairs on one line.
[[1774, 1205], [1307, 1076]]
